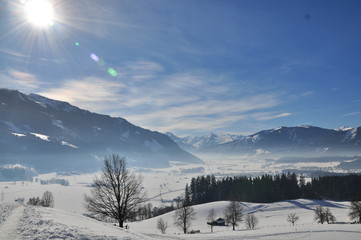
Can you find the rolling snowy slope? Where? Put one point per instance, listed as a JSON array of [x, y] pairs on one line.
[[29, 222], [272, 222]]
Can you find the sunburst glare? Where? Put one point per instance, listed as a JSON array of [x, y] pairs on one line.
[[40, 13]]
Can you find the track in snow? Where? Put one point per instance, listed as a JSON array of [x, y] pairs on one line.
[[10, 225]]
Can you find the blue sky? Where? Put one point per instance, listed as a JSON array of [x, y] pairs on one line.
[[191, 67]]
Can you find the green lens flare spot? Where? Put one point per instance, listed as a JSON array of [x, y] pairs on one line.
[[101, 62], [112, 72], [77, 44]]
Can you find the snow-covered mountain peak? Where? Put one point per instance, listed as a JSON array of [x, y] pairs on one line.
[[344, 128], [192, 143], [304, 126]]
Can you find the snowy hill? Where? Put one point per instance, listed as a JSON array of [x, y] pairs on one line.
[[272, 222], [28, 222], [49, 134], [295, 140]]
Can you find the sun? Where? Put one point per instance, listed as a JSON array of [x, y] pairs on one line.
[[40, 13]]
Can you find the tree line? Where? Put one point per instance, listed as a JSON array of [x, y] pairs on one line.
[[272, 188]]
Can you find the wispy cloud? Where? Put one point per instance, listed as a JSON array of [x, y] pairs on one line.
[[269, 116], [91, 93], [14, 79], [351, 114], [13, 53], [307, 93], [186, 101], [140, 70]]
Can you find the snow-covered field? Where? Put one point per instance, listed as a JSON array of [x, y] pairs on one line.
[[162, 185], [65, 220], [28, 222]]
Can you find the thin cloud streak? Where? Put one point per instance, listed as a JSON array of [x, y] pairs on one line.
[[190, 101], [91, 93], [269, 116], [351, 114], [14, 79]]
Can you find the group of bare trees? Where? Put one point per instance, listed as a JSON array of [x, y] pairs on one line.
[[233, 215], [46, 201], [323, 215]]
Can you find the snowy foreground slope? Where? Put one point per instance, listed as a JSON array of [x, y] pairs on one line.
[[19, 222], [28, 222]]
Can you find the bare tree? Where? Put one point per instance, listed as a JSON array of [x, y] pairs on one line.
[[162, 225], [324, 215], [330, 218], [211, 218], [251, 221], [184, 215], [320, 216], [48, 199], [117, 193], [233, 213], [292, 218], [355, 211]]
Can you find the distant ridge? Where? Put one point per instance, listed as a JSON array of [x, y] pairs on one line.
[[303, 139], [295, 140]]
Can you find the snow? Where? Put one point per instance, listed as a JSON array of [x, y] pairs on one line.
[[12, 166], [68, 144], [29, 222], [272, 222], [41, 136], [256, 138], [19, 134], [343, 128], [304, 126], [41, 104], [350, 134], [58, 123], [66, 219]]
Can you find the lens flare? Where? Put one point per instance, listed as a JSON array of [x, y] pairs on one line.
[[94, 57], [112, 72]]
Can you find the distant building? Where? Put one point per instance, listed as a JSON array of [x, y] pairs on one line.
[[218, 222]]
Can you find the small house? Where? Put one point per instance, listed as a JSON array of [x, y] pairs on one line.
[[218, 222]]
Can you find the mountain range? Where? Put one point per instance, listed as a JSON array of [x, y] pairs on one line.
[[49, 134], [194, 143], [299, 140]]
